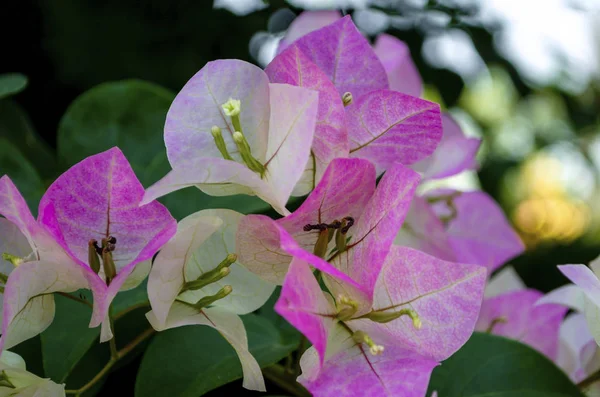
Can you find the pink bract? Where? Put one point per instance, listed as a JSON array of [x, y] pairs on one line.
[[346, 190], [293, 67], [387, 126], [371, 272], [277, 120], [402, 73], [514, 315], [94, 199], [454, 154], [346, 57], [480, 233], [445, 295]]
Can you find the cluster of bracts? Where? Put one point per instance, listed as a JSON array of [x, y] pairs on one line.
[[384, 277]]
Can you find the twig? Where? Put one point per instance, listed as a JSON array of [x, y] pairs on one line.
[[131, 308], [76, 299], [119, 355], [278, 375]]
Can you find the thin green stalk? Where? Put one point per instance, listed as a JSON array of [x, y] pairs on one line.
[[131, 308], [119, 355], [278, 375], [114, 353], [76, 299]]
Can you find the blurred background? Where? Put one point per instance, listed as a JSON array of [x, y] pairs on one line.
[[522, 74]]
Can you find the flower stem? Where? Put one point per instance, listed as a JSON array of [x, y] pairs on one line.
[[131, 308], [119, 355], [587, 382], [278, 375], [76, 299], [94, 380], [114, 353]]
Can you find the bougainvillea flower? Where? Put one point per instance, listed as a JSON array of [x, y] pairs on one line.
[[346, 193], [198, 268], [346, 57], [387, 126], [583, 296], [401, 71], [307, 22], [384, 126], [229, 131], [578, 352], [511, 311], [580, 333], [29, 317], [14, 242], [466, 227], [16, 381], [374, 284], [393, 54], [423, 310], [455, 153], [89, 216], [331, 138]]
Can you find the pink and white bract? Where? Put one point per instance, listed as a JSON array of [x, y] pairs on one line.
[[203, 241], [275, 124], [383, 126], [96, 198], [369, 279], [510, 309]]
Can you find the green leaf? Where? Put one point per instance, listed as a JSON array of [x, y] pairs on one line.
[[131, 114], [68, 338], [31, 351], [189, 361], [12, 83], [489, 365], [21, 172], [16, 127]]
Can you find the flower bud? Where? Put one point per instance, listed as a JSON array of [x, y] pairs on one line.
[[220, 142], [232, 107], [362, 337], [221, 271], [348, 310], [93, 259], [206, 279], [320, 249], [208, 300], [246, 153], [386, 317], [340, 238], [347, 98], [109, 265]]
